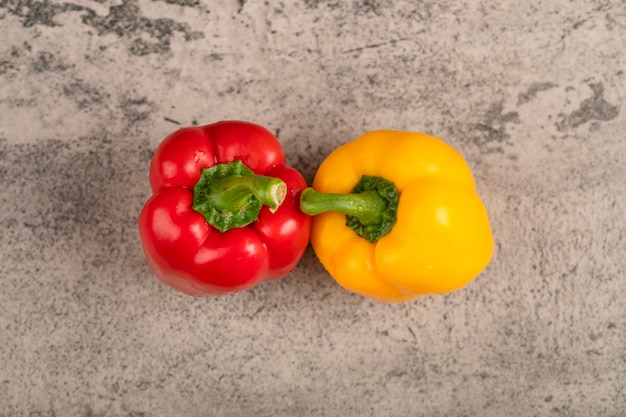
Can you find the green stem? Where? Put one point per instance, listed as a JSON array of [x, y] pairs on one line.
[[371, 208], [228, 193], [231, 195], [366, 206]]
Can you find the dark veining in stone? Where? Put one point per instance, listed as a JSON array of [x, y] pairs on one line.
[[367, 7], [592, 108], [374, 46], [22, 57], [46, 61], [359, 7], [169, 120], [241, 4], [85, 95], [5, 66], [75, 190], [312, 4], [124, 20], [491, 131], [34, 12], [136, 109], [532, 92], [187, 3]]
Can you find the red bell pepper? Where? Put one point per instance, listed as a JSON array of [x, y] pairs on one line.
[[224, 214]]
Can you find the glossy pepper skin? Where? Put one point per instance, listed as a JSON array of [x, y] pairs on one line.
[[183, 250], [441, 239]]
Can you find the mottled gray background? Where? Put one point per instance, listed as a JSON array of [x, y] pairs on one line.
[[531, 92]]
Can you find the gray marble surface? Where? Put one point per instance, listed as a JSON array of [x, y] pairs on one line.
[[531, 92]]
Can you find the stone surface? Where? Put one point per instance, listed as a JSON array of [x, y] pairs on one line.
[[530, 92]]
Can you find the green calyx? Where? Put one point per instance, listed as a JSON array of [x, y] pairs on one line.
[[231, 195], [371, 207]]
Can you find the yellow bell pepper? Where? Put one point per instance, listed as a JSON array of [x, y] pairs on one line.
[[431, 237]]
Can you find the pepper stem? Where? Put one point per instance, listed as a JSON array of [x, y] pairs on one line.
[[371, 208], [231, 195], [366, 206], [268, 191]]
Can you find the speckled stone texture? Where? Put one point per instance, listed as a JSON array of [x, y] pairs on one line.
[[531, 92]]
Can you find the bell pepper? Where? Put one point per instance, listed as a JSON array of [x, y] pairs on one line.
[[397, 215], [224, 214]]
